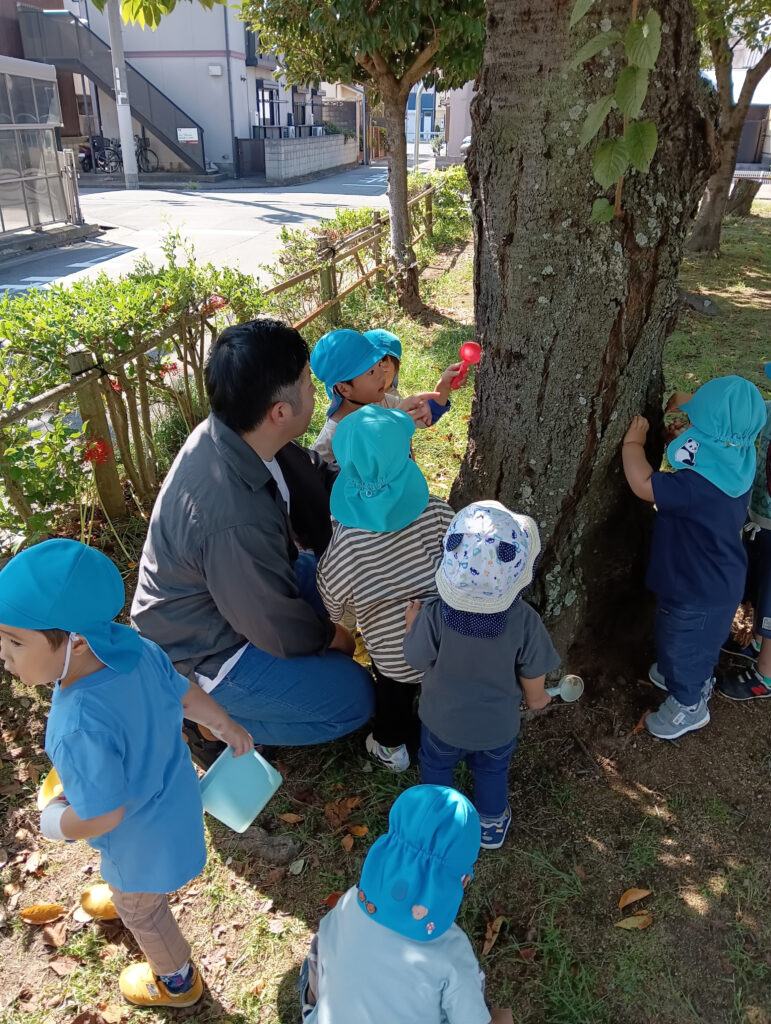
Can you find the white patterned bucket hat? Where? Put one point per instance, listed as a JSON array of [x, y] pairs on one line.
[[488, 558]]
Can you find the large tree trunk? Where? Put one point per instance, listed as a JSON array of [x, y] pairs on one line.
[[405, 265], [705, 236], [572, 316]]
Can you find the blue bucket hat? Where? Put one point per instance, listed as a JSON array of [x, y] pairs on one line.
[[63, 584], [385, 339], [726, 416], [412, 879], [379, 487], [342, 355]]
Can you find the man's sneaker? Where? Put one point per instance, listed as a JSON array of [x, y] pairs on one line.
[[748, 684], [494, 830], [674, 719], [142, 987], [750, 652], [396, 759], [658, 680]]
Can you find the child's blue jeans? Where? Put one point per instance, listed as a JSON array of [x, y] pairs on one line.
[[490, 769], [688, 641]]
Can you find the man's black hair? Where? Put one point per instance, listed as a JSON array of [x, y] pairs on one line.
[[250, 367]]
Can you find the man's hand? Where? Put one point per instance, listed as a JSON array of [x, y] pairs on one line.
[[637, 432], [343, 641], [411, 613]]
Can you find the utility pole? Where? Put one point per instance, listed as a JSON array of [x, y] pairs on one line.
[[418, 97], [120, 82]]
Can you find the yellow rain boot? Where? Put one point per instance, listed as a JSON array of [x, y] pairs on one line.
[[142, 987]]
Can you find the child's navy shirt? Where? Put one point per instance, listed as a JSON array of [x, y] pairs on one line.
[[697, 556], [116, 739]]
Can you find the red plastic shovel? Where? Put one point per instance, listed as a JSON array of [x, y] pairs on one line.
[[470, 354]]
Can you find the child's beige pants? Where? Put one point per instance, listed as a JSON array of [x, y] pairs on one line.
[[148, 917]]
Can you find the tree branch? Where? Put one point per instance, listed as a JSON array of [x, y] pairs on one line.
[[418, 68], [722, 61], [751, 80]]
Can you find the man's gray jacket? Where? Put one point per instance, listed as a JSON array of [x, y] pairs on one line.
[[217, 566]]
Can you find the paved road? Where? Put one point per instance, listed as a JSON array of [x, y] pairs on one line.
[[228, 226]]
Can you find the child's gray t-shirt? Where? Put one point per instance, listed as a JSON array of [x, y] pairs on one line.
[[470, 695]]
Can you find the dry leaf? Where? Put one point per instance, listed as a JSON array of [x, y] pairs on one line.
[[580, 872], [337, 811], [632, 896], [111, 1013], [87, 1017], [492, 932], [63, 965], [357, 830], [33, 862], [641, 919], [258, 987], [262, 906], [10, 788], [41, 913], [527, 954], [276, 925], [332, 900], [55, 934], [347, 843], [276, 874], [290, 819], [641, 724]]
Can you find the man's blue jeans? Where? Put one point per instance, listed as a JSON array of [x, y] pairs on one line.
[[297, 701], [688, 640], [490, 769]]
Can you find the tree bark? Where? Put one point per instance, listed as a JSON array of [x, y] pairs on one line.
[[741, 198], [705, 236], [402, 253], [572, 316]]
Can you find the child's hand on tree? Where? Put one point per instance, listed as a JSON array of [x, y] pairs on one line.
[[411, 613], [637, 432]]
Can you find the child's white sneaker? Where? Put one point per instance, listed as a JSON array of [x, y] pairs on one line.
[[396, 759]]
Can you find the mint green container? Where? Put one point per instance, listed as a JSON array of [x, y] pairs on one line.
[[235, 789]]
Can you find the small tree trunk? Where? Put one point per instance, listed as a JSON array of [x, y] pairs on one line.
[[572, 316], [741, 198], [705, 236], [402, 253]]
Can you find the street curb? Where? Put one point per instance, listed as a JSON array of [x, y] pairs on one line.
[[49, 238]]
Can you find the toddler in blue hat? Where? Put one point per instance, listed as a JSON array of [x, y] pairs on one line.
[[698, 564], [390, 949], [384, 552], [114, 736], [357, 370], [753, 680], [479, 647]]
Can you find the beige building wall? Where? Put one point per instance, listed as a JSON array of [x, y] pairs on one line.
[[457, 118]]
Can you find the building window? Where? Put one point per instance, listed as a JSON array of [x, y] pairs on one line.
[[268, 110]]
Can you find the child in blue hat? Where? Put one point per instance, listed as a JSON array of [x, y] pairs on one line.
[[114, 736], [390, 949], [479, 647], [356, 371], [384, 552], [753, 681], [698, 564]]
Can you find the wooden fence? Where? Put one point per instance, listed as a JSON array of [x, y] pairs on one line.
[[125, 402]]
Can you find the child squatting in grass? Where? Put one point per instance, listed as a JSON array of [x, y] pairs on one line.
[[114, 736]]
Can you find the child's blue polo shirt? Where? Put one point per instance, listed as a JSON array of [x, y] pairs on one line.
[[116, 739], [697, 556]]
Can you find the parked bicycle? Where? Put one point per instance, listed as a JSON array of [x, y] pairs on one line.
[[147, 159]]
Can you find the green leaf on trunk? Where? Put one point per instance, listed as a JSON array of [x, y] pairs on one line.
[[641, 139], [595, 117], [609, 162], [602, 211], [643, 41], [579, 10], [631, 87], [595, 44]]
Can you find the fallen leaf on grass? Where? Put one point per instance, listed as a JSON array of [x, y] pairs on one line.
[[41, 913], [347, 843], [296, 867], [63, 965], [527, 954], [632, 896], [276, 926], [357, 830], [641, 724], [258, 987], [263, 906], [492, 932], [55, 934], [580, 872], [276, 874], [10, 788], [332, 900], [111, 1013], [87, 1017], [290, 819], [33, 862], [336, 811], [641, 919]]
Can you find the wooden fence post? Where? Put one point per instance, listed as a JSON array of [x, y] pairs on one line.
[[327, 280], [430, 214], [95, 419], [377, 246]]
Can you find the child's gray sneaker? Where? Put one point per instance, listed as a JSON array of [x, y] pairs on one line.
[[658, 680], [396, 759], [674, 719]]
